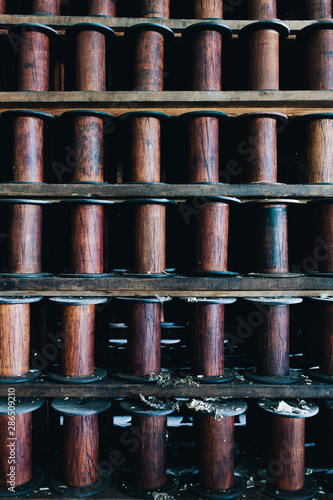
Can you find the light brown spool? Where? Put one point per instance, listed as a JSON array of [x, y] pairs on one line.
[[14, 340]]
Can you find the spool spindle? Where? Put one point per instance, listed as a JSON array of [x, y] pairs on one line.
[[49, 7], [15, 444], [80, 447], [102, 8], [148, 475], [216, 451], [273, 341], [263, 9], [318, 9], [287, 445], [208, 9], [155, 8], [324, 317]]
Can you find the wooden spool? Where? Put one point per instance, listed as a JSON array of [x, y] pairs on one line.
[[90, 42], [261, 129], [50, 7], [88, 144], [155, 8], [206, 41], [15, 444], [216, 451], [318, 147], [270, 237], [149, 459], [212, 236], [318, 9], [324, 315], [318, 38], [149, 42], [15, 340], [102, 8], [3, 6], [263, 9], [208, 9], [80, 447], [287, 445], [263, 39], [33, 44], [272, 317], [145, 145], [78, 340], [27, 135]]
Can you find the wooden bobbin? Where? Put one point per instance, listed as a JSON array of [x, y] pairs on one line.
[[287, 444], [148, 475], [318, 39], [318, 9], [81, 476], [15, 444], [155, 8], [88, 144], [143, 338], [261, 131], [206, 40], [208, 9], [263, 9], [207, 334], [272, 318], [78, 341], [145, 145], [3, 6], [15, 340], [269, 224], [216, 450], [102, 8], [90, 42], [28, 145], [149, 43], [263, 39], [33, 43], [324, 316], [50, 7]]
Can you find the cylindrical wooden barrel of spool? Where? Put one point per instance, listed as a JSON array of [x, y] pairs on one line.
[[262, 9], [50, 7], [318, 9], [216, 441], [273, 341], [155, 8], [318, 39], [287, 447], [16, 446], [323, 318], [263, 39], [80, 447], [206, 39], [149, 43], [90, 42], [33, 48], [3, 6], [77, 346], [318, 147], [208, 9], [28, 144], [149, 460], [262, 130], [102, 8]]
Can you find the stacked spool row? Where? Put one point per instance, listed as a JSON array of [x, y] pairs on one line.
[[200, 9], [38, 59], [84, 475], [135, 347]]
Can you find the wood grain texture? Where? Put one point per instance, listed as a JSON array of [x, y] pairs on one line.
[[90, 61], [264, 60], [204, 150], [148, 60], [216, 452], [144, 338], [320, 61], [205, 9], [149, 461], [212, 233], [51, 7], [25, 238], [207, 335], [149, 245], [14, 339], [102, 8], [288, 452], [145, 149], [206, 60], [263, 9], [88, 145], [34, 62], [28, 149], [155, 8], [318, 9], [21, 449], [2, 6], [80, 450], [325, 265], [87, 254], [78, 339], [319, 150]]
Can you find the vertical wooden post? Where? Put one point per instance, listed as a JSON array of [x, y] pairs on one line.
[[263, 9], [155, 8], [102, 8], [318, 9], [50, 7], [318, 39]]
